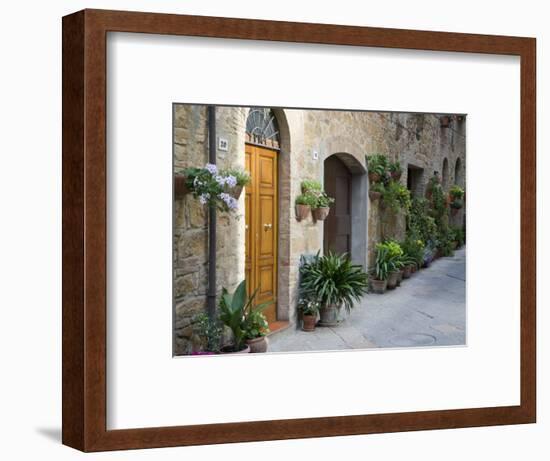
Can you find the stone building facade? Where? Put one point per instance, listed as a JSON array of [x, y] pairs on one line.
[[306, 139]]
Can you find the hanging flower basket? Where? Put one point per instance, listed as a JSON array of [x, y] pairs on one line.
[[236, 192], [374, 177], [180, 186], [374, 195]]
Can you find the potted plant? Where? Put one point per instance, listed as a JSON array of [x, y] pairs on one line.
[[242, 179], [394, 261], [256, 329], [311, 185], [235, 310], [309, 309], [377, 165], [335, 282], [304, 203], [382, 266], [395, 170], [376, 191], [322, 206]]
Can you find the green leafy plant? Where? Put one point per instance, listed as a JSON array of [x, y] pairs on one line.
[[394, 195], [209, 331], [395, 167], [387, 260], [445, 242], [324, 201], [311, 185], [378, 187], [307, 199], [255, 325], [333, 279], [458, 235], [378, 164], [235, 310], [421, 224], [456, 192], [413, 249]]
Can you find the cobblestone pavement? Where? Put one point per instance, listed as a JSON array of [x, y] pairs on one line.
[[429, 309]]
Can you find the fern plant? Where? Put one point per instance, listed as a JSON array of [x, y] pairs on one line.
[[333, 279]]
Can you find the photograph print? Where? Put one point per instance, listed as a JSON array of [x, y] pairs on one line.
[[304, 230]]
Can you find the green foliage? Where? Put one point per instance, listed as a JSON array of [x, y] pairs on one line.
[[235, 310], [395, 167], [391, 196], [209, 331], [378, 163], [323, 200], [311, 185], [421, 225], [459, 236], [445, 240], [307, 199], [255, 325], [388, 259], [413, 249], [456, 192], [333, 279], [378, 187]]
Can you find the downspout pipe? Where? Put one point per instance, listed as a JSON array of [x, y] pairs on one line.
[[211, 297]]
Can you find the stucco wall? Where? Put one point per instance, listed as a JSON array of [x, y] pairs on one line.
[[411, 138]]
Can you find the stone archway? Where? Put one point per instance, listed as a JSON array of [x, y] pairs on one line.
[[356, 215]]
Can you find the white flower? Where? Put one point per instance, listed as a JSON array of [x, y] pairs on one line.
[[219, 179]]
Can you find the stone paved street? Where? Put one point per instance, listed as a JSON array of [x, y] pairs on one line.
[[427, 310]]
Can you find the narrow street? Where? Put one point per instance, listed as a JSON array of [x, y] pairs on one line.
[[426, 310]]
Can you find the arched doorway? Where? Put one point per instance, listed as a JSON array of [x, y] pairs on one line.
[[337, 226], [458, 172], [445, 175], [261, 207], [345, 229]]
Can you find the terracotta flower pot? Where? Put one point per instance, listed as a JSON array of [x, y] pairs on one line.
[[236, 192], [302, 212], [229, 350], [373, 195], [180, 186], [329, 315], [257, 345], [320, 214], [374, 177], [392, 279], [396, 175], [309, 322], [378, 286], [407, 272]]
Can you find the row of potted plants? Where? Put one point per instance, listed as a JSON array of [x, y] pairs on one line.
[[314, 200], [329, 283], [212, 186], [237, 315], [384, 179]]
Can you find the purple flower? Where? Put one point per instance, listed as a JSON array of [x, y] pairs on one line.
[[211, 168], [228, 200], [231, 181], [220, 179]]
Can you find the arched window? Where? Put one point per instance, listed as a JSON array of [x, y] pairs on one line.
[[458, 172], [445, 173], [262, 128]]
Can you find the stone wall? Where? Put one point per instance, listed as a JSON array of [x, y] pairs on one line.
[[416, 139]]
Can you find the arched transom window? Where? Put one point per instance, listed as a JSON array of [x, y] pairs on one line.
[[262, 128]]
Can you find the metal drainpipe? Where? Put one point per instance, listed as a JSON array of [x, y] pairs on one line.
[[212, 218]]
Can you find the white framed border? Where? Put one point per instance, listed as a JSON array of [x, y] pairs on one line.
[[146, 387]]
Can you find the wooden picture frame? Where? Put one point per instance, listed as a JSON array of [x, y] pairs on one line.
[[85, 246]]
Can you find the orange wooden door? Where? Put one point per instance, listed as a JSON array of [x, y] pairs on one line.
[[261, 227]]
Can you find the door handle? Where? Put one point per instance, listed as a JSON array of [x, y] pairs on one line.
[[267, 226]]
